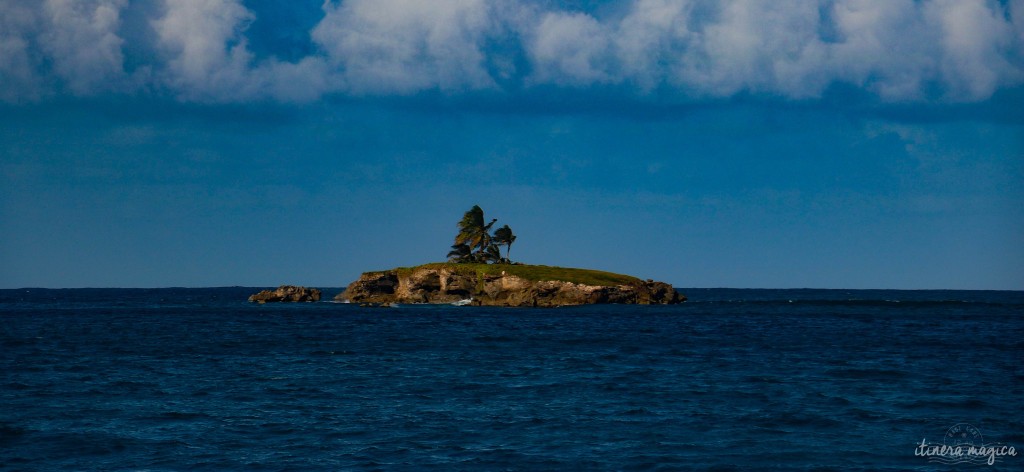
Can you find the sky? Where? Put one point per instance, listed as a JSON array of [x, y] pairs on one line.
[[750, 144]]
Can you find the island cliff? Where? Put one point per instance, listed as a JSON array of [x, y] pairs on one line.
[[505, 285]]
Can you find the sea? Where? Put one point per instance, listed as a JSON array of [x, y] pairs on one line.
[[796, 380]]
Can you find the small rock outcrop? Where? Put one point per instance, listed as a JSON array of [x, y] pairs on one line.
[[446, 285], [287, 293]]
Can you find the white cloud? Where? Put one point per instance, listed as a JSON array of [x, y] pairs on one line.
[[974, 41], [204, 47], [770, 47], [570, 49], [19, 79], [198, 50], [884, 46], [208, 58], [900, 50], [81, 38], [653, 33], [405, 46]]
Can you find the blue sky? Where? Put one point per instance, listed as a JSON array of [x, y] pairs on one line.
[[831, 144]]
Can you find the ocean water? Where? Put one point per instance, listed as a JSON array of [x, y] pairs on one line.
[[199, 379]]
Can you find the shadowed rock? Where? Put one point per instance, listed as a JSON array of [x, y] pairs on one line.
[[287, 293], [450, 285]]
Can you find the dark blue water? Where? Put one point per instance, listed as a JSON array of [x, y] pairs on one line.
[[174, 379]]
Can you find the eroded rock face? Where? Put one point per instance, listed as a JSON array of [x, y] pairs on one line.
[[372, 287], [447, 286], [287, 293]]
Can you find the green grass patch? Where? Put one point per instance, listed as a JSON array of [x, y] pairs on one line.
[[531, 272]]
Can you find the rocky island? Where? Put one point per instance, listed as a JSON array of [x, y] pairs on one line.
[[514, 285], [286, 293], [477, 273]]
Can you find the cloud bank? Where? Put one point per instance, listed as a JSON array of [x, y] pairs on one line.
[[945, 51]]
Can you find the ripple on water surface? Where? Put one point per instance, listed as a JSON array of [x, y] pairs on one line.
[[731, 379]]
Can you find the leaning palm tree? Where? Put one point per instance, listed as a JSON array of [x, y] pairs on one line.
[[491, 254], [473, 232], [503, 237], [459, 253]]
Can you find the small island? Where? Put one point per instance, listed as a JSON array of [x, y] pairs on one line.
[[286, 293], [478, 274]]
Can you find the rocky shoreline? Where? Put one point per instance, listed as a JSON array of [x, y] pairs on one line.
[[450, 284]]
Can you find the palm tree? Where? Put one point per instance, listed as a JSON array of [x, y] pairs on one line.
[[473, 232], [504, 237], [475, 243], [491, 254], [459, 253]]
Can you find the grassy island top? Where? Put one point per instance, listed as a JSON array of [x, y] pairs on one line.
[[477, 252], [535, 273]]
